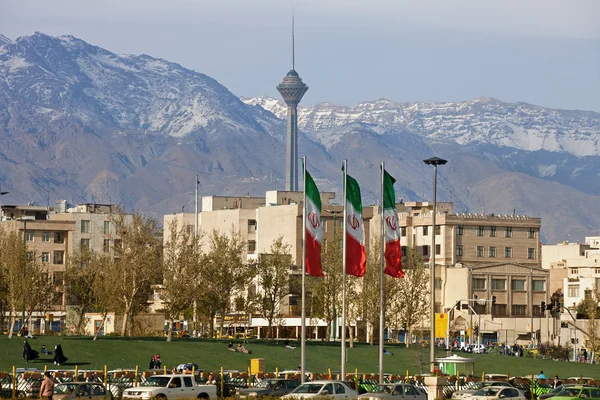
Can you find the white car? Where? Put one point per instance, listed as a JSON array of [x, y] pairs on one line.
[[394, 391], [498, 392], [469, 393], [330, 389]]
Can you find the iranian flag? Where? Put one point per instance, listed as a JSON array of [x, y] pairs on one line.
[[356, 257], [393, 250], [314, 229]]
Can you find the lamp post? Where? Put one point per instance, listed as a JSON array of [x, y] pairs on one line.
[[334, 213], [24, 264], [435, 161]]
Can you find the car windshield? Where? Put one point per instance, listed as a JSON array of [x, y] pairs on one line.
[[557, 389], [65, 388], [488, 391], [569, 392], [162, 381], [381, 389], [265, 384], [308, 388]]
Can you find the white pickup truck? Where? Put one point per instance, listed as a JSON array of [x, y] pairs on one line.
[[171, 387]]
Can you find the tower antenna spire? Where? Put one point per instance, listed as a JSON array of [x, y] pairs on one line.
[[293, 49]]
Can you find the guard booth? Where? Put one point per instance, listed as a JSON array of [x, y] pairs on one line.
[[456, 364]]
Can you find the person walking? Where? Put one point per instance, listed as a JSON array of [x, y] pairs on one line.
[[59, 356], [47, 388]]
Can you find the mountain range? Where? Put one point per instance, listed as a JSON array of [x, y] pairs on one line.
[[81, 123]]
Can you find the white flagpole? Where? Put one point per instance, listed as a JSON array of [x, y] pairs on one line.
[[303, 322], [195, 305], [343, 368], [381, 278]]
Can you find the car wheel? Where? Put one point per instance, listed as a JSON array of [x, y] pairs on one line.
[[161, 397], [203, 396]]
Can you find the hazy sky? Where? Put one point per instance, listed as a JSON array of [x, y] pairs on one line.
[[545, 52]]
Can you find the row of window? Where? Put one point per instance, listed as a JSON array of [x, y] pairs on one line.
[[508, 231], [515, 284], [58, 237], [518, 310], [86, 226], [508, 252], [58, 257]]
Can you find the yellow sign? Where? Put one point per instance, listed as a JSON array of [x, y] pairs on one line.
[[441, 325]]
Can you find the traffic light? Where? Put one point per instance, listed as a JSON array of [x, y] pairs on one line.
[[475, 297], [549, 307], [493, 301], [543, 306]]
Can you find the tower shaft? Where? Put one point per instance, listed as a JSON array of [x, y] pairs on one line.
[[291, 153]]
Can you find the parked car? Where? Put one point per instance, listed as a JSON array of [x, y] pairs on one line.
[[498, 392], [468, 393], [578, 391], [394, 392], [553, 392], [269, 387], [77, 390], [330, 389], [179, 386]]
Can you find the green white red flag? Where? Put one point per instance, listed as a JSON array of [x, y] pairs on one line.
[[314, 228], [356, 257], [393, 249]]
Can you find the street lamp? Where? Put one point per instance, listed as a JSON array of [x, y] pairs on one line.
[[334, 213], [435, 161], [24, 220]]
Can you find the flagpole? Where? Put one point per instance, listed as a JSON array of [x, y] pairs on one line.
[[195, 305], [303, 317], [343, 368], [381, 266]]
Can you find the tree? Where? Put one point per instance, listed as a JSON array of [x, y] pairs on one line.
[[588, 309], [13, 260], [42, 292], [182, 260], [137, 264], [222, 274], [80, 275], [326, 290], [411, 301], [273, 275]]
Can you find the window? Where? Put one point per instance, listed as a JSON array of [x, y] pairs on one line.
[[58, 237], [574, 271], [85, 226], [531, 233], [30, 256], [519, 309], [251, 246], [29, 236], [479, 308], [517, 284], [531, 253], [539, 286], [573, 290], [45, 236], [187, 381], [459, 250], [106, 227], [425, 251], [252, 225], [106, 246], [480, 230], [175, 382], [492, 251], [499, 309], [492, 231], [45, 257], [498, 284], [460, 229], [537, 311], [425, 230], [508, 252], [438, 283], [478, 283], [479, 251], [438, 249], [403, 231], [59, 257], [438, 230], [410, 390], [508, 231], [85, 244], [339, 389]]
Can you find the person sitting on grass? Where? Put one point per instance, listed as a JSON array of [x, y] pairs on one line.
[[286, 344], [230, 346], [242, 349]]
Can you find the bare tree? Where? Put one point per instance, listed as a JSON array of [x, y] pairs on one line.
[[81, 272], [182, 260], [273, 275], [137, 264], [13, 261], [411, 302]]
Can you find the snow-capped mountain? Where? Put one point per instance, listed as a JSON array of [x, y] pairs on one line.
[[481, 121], [81, 123]]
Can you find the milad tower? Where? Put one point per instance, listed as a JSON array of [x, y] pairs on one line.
[[292, 89]]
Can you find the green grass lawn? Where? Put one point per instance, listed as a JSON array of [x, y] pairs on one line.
[[213, 354]]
